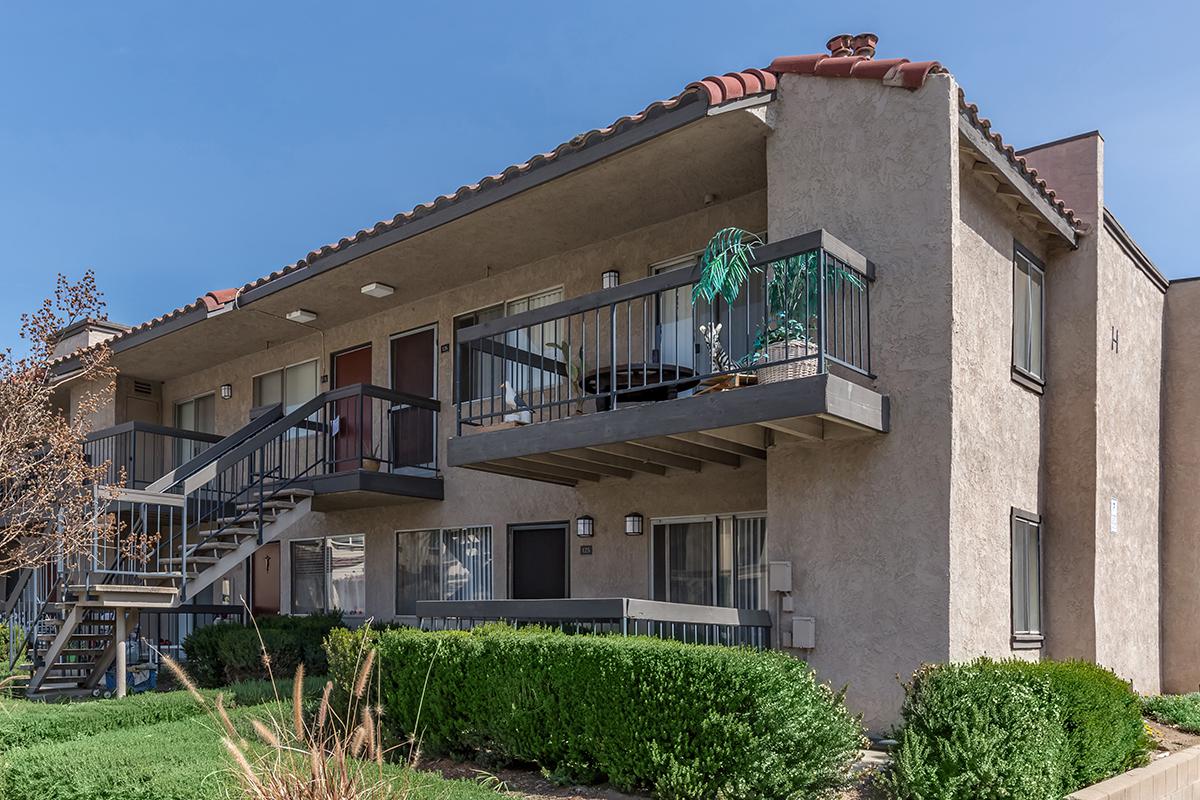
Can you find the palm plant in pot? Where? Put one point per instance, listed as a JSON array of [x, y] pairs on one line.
[[790, 332]]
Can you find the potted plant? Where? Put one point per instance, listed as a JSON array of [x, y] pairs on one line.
[[372, 463], [574, 370], [790, 333]]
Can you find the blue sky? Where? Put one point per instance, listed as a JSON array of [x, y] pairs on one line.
[[180, 148]]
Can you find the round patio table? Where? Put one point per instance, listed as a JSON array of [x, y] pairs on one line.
[[635, 383]]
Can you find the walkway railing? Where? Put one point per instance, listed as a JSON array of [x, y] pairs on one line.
[[805, 306], [138, 453], [626, 616]]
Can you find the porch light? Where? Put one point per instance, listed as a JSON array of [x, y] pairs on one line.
[[610, 279], [226, 391], [633, 524], [301, 315], [377, 290], [585, 527]]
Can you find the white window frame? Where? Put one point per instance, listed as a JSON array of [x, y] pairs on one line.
[[440, 529], [1025, 370], [282, 385], [715, 519], [1026, 639], [328, 570]]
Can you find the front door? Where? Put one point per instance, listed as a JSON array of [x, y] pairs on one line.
[[414, 371], [538, 562], [265, 574], [353, 440]]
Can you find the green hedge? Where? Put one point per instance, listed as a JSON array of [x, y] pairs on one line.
[[1178, 710], [993, 729], [181, 760], [686, 721], [228, 651]]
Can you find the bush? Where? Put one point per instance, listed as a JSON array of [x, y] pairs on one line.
[[979, 730], [227, 651], [1181, 711], [1102, 716], [181, 760], [1015, 729], [687, 721]]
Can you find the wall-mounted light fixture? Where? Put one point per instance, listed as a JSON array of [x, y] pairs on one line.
[[377, 290], [585, 527], [610, 279], [633, 524], [226, 391], [301, 315]]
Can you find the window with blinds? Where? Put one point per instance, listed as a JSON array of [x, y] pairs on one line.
[[443, 564], [291, 386], [329, 574], [1029, 281], [487, 371], [1026, 574], [717, 560]]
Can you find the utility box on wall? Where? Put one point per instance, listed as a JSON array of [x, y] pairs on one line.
[[779, 576], [804, 633]]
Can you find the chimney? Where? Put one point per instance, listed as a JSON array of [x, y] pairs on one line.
[[864, 45], [83, 334], [840, 45]]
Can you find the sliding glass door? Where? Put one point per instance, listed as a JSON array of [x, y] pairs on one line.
[[718, 560]]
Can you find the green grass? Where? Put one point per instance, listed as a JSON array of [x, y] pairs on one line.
[[181, 760], [1180, 711]]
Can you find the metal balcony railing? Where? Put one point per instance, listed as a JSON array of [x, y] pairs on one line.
[[806, 306], [139, 453]]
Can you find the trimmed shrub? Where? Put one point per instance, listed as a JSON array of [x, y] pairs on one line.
[[1181, 711], [1102, 717], [687, 721], [181, 760], [228, 651], [979, 730]]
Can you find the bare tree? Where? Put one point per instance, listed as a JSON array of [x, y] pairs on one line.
[[47, 485]]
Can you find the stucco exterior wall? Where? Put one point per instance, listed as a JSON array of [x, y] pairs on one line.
[[866, 524], [1128, 378], [1181, 489], [997, 437]]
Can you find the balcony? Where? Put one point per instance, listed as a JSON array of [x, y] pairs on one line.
[[639, 379], [139, 453]]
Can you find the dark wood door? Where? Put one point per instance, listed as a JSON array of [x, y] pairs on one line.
[[353, 441], [539, 562], [414, 371], [265, 574]]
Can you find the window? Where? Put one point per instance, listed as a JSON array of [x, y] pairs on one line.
[[329, 574], [1026, 578], [710, 561], [443, 564], [197, 414], [1029, 282], [292, 386], [486, 372]]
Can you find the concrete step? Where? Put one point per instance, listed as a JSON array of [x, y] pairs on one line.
[[197, 560]]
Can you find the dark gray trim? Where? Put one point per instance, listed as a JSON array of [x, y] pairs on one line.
[[589, 609], [1027, 381], [1188, 279], [1020, 374], [364, 480], [690, 109], [1028, 641], [149, 427], [1009, 173], [1135, 253], [814, 240], [140, 337], [1064, 140], [818, 394]]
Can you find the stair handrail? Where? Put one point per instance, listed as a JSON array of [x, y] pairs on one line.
[[173, 478]]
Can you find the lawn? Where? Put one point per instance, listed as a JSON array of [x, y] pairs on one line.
[[149, 747]]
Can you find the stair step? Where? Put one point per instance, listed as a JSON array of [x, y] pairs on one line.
[[192, 560], [250, 520], [272, 503]]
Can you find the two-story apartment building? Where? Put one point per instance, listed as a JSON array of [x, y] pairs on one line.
[[505, 403]]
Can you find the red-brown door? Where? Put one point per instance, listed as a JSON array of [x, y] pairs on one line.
[[265, 574], [353, 440], [414, 371]]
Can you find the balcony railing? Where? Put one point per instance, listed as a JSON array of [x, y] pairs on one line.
[[805, 307], [139, 453], [626, 616]]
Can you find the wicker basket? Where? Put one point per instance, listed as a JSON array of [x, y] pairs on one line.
[[780, 351]]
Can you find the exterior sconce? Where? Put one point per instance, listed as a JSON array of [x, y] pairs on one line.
[[611, 279], [585, 527], [226, 391], [633, 524]]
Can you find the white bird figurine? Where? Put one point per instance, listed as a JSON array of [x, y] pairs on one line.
[[519, 410]]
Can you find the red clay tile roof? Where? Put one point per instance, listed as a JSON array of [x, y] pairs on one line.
[[853, 58], [984, 126]]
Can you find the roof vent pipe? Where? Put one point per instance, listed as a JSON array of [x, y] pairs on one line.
[[864, 44], [840, 45]]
